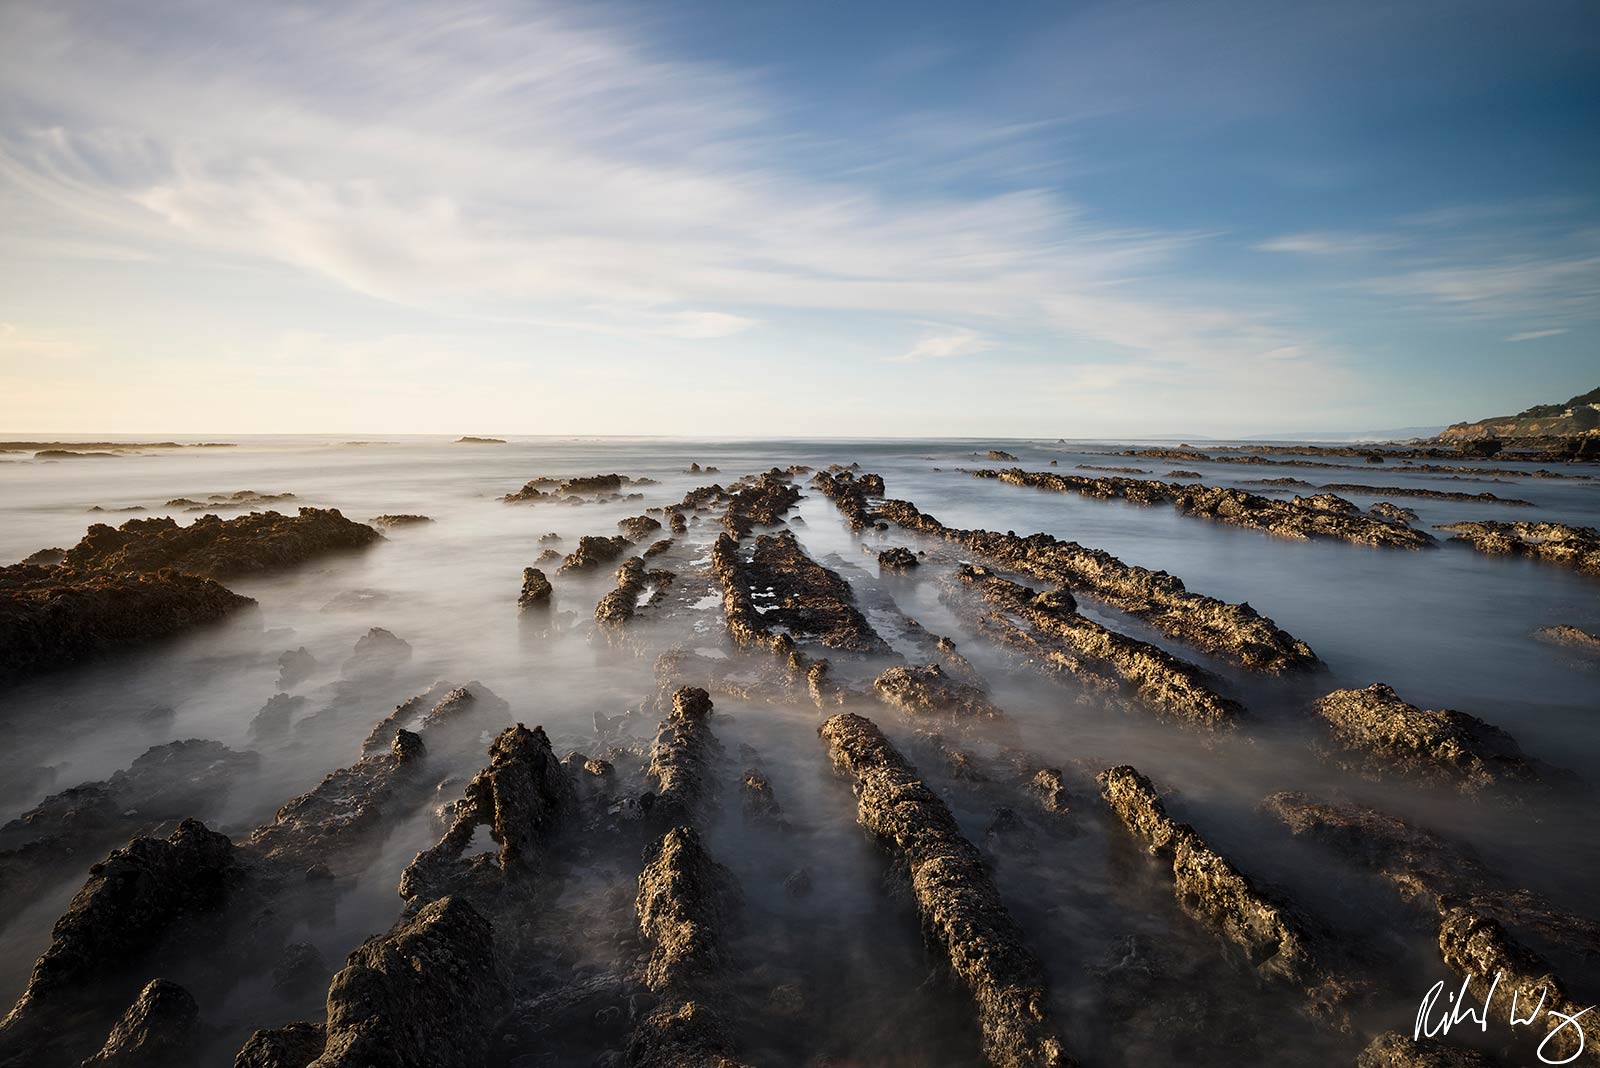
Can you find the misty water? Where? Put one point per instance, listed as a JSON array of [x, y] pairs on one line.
[[1446, 627]]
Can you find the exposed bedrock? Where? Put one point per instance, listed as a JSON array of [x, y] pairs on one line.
[[575, 490], [924, 691], [1275, 942], [135, 899], [760, 503], [806, 598], [1380, 733], [1168, 685], [1237, 631], [1430, 871], [1570, 636], [593, 552], [1556, 543], [849, 493], [685, 904], [523, 797], [752, 629], [294, 667], [400, 520], [1503, 973], [682, 1035], [639, 527], [682, 756], [536, 589], [1418, 491], [1300, 518], [54, 617], [214, 548], [159, 1030], [898, 558], [962, 914], [427, 993], [618, 605], [67, 830], [293, 1045]]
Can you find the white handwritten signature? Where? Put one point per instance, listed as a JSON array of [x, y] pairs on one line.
[[1456, 1011]]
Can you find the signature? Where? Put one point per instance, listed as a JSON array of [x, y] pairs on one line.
[[1434, 1019]]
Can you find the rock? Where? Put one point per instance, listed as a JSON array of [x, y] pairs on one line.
[[638, 527], [1574, 638], [549, 539], [997, 454], [377, 652], [133, 901], [1049, 787], [1415, 491], [592, 552], [470, 440], [291, 1046], [681, 1035], [962, 914], [807, 599], [299, 969], [536, 589], [762, 503], [1234, 630], [56, 617], [618, 605], [923, 691], [427, 993], [682, 755], [295, 667], [1323, 515], [1275, 941], [159, 1030], [45, 558], [274, 717], [388, 522], [685, 901], [1575, 547], [898, 558], [1392, 513], [213, 548], [548, 556], [1064, 640], [759, 802], [1379, 732]]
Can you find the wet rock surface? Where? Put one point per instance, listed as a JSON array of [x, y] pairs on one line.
[[1275, 942], [1417, 491], [428, 992], [536, 589], [593, 552], [216, 548], [1382, 733], [1234, 630], [639, 527], [762, 503], [961, 911], [400, 520], [133, 900], [1572, 637], [1165, 683], [1556, 543], [925, 691], [293, 1045], [55, 617], [805, 598], [157, 1031], [1394, 1050], [1300, 518]]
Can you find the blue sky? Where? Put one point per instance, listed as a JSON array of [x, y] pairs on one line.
[[782, 218]]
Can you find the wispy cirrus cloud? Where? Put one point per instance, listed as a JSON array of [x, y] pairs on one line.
[[1534, 335], [1329, 244], [943, 345]]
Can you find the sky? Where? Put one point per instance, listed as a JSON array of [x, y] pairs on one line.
[[1210, 217]]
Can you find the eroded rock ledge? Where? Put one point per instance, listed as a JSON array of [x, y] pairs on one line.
[[1556, 543], [1276, 942], [1320, 516], [1381, 733], [1234, 630], [215, 548], [961, 910]]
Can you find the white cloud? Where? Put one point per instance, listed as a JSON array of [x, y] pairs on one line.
[[945, 345], [1531, 335], [1326, 244]]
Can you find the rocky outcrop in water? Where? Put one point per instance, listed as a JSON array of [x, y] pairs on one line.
[[215, 548], [849, 492], [293, 1045], [618, 605], [1163, 682], [399, 520], [427, 993], [898, 558], [1275, 941], [1234, 630], [1394, 1050], [1415, 491], [682, 755], [536, 589], [1300, 518], [639, 527], [926, 692], [1556, 543], [962, 914], [133, 900], [807, 599], [1430, 871], [1381, 733], [593, 552], [686, 901], [159, 1030], [1572, 637], [523, 797], [762, 503], [55, 617]]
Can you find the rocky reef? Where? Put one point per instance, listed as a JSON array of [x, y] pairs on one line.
[[212, 547], [1380, 733], [1555, 543], [962, 914]]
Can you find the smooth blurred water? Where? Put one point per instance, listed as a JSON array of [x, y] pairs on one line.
[[1446, 627]]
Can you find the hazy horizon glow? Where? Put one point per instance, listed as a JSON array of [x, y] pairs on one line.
[[794, 219]]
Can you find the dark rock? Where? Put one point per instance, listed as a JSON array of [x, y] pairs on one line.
[[299, 969], [592, 552], [1574, 547], [389, 521], [898, 558], [962, 914], [536, 589], [924, 691], [273, 718], [1394, 1050], [294, 1045], [1573, 637], [638, 527], [685, 901], [213, 548], [798, 883], [762, 503], [45, 558], [377, 652], [295, 667], [159, 1030]]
